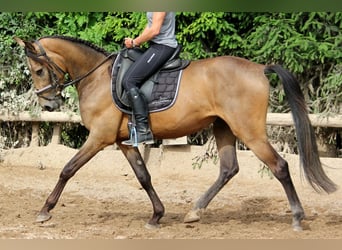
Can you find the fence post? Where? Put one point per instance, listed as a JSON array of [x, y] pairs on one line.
[[35, 134], [56, 134]]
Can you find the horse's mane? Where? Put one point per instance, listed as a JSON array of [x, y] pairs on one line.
[[81, 41]]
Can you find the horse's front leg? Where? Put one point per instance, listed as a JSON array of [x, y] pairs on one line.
[[87, 151], [137, 163]]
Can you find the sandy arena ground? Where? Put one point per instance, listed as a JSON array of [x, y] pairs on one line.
[[105, 201]]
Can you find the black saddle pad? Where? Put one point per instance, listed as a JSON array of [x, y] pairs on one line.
[[160, 90]]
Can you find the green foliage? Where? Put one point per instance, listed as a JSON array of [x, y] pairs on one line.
[[73, 135], [329, 94], [297, 40], [207, 34], [308, 44], [70, 96], [11, 54]]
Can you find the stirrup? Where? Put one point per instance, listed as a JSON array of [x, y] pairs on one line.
[[134, 141]]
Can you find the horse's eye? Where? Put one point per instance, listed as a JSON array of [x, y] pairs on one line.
[[39, 72]]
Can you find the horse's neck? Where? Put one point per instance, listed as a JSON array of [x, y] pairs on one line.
[[80, 61]]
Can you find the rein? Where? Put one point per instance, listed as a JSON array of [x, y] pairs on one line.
[[57, 85]]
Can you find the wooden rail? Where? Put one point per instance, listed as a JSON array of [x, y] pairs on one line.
[[45, 116], [317, 120]]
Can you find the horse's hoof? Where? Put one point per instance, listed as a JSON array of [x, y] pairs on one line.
[[42, 217], [150, 226], [192, 216], [297, 227]]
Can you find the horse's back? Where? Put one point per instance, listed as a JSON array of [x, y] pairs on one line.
[[225, 87], [225, 80], [224, 71]]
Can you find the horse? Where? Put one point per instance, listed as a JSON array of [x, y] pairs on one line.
[[230, 93]]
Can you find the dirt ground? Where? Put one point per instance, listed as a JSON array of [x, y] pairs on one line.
[[105, 201]]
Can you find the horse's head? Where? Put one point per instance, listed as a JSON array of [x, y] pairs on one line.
[[47, 76]]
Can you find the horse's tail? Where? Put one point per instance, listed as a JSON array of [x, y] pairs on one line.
[[307, 146]]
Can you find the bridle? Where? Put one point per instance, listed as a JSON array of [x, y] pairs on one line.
[[57, 85]]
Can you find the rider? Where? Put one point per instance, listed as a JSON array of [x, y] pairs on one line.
[[160, 33]]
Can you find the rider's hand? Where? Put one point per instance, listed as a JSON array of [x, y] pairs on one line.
[[129, 43]]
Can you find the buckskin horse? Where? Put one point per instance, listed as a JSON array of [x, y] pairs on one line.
[[229, 92]]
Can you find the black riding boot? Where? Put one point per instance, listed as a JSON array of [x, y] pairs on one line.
[[141, 132]]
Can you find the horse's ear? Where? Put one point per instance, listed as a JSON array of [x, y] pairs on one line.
[[19, 41], [27, 45]]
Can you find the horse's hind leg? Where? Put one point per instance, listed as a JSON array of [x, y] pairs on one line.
[[279, 167], [137, 163], [229, 167]]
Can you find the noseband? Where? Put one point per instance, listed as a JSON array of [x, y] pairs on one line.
[[57, 85]]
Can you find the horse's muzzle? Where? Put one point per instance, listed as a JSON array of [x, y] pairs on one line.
[[50, 105]]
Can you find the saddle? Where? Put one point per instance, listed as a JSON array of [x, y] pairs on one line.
[[160, 90]]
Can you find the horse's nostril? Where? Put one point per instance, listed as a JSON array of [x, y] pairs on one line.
[[51, 105], [48, 108]]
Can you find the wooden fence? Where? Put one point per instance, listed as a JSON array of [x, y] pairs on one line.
[[317, 120]]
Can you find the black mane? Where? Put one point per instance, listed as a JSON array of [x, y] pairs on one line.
[[81, 41]]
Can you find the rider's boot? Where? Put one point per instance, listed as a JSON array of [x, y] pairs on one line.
[[141, 132]]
